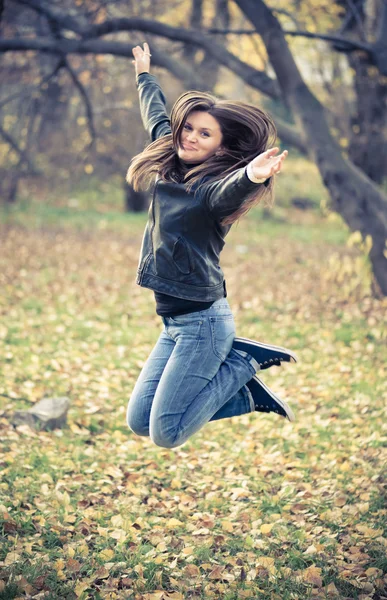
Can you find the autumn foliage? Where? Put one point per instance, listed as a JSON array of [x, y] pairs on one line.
[[253, 507]]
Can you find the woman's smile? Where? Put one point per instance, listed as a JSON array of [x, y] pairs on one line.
[[201, 135]]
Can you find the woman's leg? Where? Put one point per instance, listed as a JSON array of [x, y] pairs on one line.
[[201, 375], [140, 403]]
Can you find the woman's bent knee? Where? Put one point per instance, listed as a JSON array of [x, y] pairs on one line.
[[166, 441], [136, 425]]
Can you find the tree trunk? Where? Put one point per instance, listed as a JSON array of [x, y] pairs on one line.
[[367, 144], [354, 196], [135, 201]]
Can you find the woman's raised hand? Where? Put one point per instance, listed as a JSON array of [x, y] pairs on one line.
[[267, 163], [141, 59]]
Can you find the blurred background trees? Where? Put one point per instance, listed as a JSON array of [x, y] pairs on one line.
[[69, 102]]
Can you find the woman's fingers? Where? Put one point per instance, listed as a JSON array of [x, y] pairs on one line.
[[271, 152], [141, 58], [141, 51], [278, 164]]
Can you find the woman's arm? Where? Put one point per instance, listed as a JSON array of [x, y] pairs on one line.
[[152, 100], [224, 197]]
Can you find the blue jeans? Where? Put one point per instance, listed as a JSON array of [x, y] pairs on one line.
[[192, 376]]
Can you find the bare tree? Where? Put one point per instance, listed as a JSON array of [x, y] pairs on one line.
[[355, 196]]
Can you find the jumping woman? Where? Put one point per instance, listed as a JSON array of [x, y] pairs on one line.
[[210, 162]]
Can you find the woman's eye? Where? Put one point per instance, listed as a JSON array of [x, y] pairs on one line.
[[205, 133]]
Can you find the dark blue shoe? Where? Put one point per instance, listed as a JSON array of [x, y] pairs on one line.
[[266, 401], [265, 355]]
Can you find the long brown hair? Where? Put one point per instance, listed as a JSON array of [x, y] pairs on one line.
[[246, 132]]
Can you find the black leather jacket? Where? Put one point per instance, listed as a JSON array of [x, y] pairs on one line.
[[183, 237]]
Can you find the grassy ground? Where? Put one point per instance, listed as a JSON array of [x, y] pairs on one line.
[[253, 507]]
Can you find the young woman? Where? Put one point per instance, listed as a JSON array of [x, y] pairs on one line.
[[211, 164]]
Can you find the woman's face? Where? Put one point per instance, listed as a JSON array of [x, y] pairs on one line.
[[201, 137]]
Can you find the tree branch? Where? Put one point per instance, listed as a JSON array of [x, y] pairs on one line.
[[381, 42], [350, 45], [251, 76], [84, 95], [23, 155], [29, 91], [66, 21], [256, 79]]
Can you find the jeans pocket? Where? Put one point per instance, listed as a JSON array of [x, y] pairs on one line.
[[186, 320], [222, 335]]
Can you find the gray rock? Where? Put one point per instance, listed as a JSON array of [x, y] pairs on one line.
[[48, 413]]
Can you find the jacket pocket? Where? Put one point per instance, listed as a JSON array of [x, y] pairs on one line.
[[181, 256], [222, 335]]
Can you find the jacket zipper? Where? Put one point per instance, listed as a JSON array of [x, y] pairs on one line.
[[145, 266]]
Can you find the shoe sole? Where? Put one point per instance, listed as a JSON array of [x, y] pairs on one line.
[[293, 357], [289, 413]]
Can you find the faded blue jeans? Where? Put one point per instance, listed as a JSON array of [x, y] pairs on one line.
[[192, 376]]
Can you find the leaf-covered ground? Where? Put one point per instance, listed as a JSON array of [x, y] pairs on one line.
[[254, 507]]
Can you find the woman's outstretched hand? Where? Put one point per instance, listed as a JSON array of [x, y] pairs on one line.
[[141, 59], [267, 163]]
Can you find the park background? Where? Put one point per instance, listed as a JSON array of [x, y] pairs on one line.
[[253, 507]]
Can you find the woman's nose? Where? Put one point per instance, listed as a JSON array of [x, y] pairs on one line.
[[191, 136]]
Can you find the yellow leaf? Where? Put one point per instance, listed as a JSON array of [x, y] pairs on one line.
[[59, 564], [158, 595], [70, 519], [266, 528], [81, 587], [162, 547], [188, 550], [191, 571], [117, 521], [341, 500], [118, 534], [101, 573], [267, 562], [11, 558], [173, 523], [227, 526], [202, 531], [312, 575], [368, 531], [106, 554], [217, 572], [331, 589], [83, 550], [373, 572], [159, 560]]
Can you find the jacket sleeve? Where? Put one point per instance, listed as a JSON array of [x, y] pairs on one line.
[[152, 106], [224, 197]]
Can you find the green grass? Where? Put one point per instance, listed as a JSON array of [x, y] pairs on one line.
[[93, 505]]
